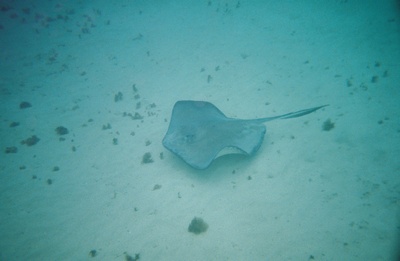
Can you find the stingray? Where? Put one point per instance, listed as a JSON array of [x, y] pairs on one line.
[[199, 132]]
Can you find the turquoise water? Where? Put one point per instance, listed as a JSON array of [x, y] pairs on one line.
[[87, 89]]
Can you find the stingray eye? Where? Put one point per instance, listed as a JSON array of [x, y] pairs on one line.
[[189, 138]]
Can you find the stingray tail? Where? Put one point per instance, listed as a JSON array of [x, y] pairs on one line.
[[293, 114]]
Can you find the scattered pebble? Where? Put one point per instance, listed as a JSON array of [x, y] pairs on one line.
[[61, 130], [11, 150], [147, 158], [197, 226], [106, 126], [30, 141], [118, 97], [93, 253], [24, 105], [130, 258], [157, 186], [14, 124], [328, 125]]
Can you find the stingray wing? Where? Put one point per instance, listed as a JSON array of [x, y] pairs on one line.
[[198, 132]]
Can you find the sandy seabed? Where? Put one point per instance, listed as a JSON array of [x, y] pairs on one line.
[[110, 72]]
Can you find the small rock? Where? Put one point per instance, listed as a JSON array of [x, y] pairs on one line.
[[11, 150], [24, 105], [197, 226], [60, 130], [14, 124], [92, 253], [31, 141], [328, 125], [157, 186], [147, 158]]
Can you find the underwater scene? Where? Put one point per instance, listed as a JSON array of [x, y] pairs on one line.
[[200, 130]]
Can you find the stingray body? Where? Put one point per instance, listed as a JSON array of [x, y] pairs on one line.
[[198, 132]]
